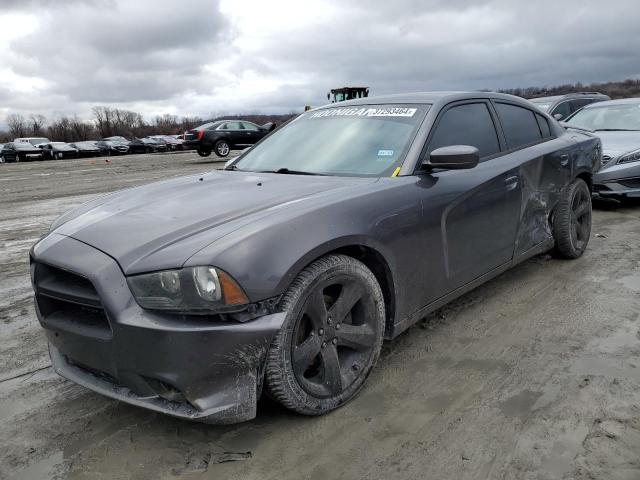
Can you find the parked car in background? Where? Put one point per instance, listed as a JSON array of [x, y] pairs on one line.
[[118, 138], [58, 150], [561, 106], [285, 271], [1, 157], [617, 123], [172, 143], [222, 136], [87, 148], [112, 147], [21, 151], [32, 140], [146, 145]]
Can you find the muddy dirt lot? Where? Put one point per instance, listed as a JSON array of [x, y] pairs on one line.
[[535, 375]]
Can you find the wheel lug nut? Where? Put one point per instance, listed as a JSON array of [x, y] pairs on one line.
[[334, 341], [324, 344], [329, 321], [321, 331], [337, 326]]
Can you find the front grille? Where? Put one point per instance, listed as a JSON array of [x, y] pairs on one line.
[[630, 182], [69, 302]]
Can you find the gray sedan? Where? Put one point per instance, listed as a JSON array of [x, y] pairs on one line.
[[285, 271], [617, 123]]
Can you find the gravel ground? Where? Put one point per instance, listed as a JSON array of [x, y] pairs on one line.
[[535, 375]]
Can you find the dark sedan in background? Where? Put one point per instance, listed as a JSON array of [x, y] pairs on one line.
[[286, 270], [87, 148], [58, 150], [617, 123], [222, 136], [112, 147], [147, 145], [21, 151]]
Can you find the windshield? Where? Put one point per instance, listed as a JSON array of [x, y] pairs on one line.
[[24, 146], [368, 140], [36, 141], [621, 116]]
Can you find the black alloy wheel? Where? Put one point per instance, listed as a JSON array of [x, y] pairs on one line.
[[331, 337], [572, 220]]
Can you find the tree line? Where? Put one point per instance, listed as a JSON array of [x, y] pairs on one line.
[[624, 89], [108, 122]]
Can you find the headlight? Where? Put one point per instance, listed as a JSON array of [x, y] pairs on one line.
[[194, 290], [630, 157]]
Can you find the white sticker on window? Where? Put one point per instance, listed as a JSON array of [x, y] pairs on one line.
[[385, 153], [365, 112]]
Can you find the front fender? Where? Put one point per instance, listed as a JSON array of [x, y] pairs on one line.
[[265, 256]]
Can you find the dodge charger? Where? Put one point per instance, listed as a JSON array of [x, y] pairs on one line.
[[284, 272]]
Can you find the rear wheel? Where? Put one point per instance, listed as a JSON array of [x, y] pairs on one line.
[[222, 148], [572, 220], [204, 152], [330, 339]]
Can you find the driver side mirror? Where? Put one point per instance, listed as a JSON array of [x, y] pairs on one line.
[[453, 157]]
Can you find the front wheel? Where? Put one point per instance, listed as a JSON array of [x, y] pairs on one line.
[[572, 220], [222, 148], [330, 339]]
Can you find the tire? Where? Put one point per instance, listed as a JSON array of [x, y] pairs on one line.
[[222, 148], [203, 152], [572, 220], [322, 356]]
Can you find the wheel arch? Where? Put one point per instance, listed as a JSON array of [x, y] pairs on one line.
[[368, 254], [588, 179]]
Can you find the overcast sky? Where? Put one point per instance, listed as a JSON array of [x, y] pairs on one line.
[[198, 57]]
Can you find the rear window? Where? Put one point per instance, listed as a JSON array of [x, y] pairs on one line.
[[519, 125]]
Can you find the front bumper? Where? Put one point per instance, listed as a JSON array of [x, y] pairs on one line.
[[194, 368], [617, 180]]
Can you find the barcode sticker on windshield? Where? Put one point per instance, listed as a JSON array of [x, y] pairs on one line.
[[365, 112], [385, 153]]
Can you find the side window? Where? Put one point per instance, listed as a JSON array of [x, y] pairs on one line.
[[578, 104], [469, 124], [544, 126], [563, 109], [222, 126], [249, 126], [233, 126], [519, 125]]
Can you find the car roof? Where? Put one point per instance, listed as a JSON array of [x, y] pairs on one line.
[[621, 101], [554, 98], [426, 98]]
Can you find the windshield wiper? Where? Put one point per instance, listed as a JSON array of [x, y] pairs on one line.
[[287, 171], [616, 130]]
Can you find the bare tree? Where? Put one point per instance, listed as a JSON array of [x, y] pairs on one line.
[[17, 125], [36, 124]]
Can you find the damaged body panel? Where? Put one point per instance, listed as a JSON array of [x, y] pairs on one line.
[[241, 236]]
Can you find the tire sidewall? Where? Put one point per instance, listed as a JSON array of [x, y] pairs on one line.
[[565, 246], [292, 303]]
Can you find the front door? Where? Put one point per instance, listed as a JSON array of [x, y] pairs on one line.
[[481, 210]]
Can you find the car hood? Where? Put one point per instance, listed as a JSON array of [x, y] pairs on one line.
[[161, 225], [615, 144]]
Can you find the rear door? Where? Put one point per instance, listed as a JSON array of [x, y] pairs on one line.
[[233, 132], [479, 220], [544, 169]]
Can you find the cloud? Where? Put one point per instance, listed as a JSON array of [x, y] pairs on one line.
[[208, 56]]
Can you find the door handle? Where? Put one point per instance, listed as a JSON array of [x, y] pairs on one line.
[[564, 159], [511, 182]]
